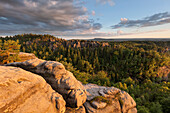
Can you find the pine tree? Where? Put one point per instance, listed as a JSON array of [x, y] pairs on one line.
[[9, 51]]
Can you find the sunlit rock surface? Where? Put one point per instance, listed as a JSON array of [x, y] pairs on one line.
[[58, 77], [26, 56], [24, 92], [102, 99], [80, 98]]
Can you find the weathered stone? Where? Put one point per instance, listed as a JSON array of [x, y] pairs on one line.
[[58, 77], [81, 44], [120, 101], [133, 110], [100, 99], [164, 72], [81, 109], [109, 92], [26, 56], [92, 90], [127, 101], [113, 107], [22, 91], [98, 105]]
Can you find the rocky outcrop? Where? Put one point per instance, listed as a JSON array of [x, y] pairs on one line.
[[102, 99], [81, 109], [21, 57], [85, 43], [24, 92], [164, 72], [89, 98], [113, 107], [26, 56], [58, 77]]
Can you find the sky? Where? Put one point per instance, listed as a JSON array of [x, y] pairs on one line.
[[86, 19]]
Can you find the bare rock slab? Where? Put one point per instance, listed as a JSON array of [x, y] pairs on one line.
[[98, 105], [26, 56], [114, 107], [58, 77], [25, 92], [115, 100]]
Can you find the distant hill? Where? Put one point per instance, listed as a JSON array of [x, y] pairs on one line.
[[54, 42], [131, 39]]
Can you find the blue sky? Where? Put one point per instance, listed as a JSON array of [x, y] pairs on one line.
[[131, 9], [87, 18]]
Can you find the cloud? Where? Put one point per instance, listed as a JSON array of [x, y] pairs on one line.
[[43, 16], [123, 20], [120, 32], [97, 26], [110, 2], [154, 20], [93, 13]]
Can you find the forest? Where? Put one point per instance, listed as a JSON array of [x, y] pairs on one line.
[[133, 66]]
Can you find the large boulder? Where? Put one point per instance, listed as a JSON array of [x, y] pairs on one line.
[[58, 77], [89, 98], [26, 56], [102, 99], [24, 92]]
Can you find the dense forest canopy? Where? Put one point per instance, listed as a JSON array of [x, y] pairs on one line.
[[133, 66], [9, 51]]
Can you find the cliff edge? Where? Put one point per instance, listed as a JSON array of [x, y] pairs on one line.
[[79, 98]]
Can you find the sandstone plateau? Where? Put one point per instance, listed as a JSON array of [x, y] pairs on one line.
[[46, 86]]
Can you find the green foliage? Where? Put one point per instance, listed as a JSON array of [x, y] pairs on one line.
[[130, 66], [100, 78], [101, 99], [156, 108], [0, 44], [143, 109], [9, 51], [81, 76], [129, 81], [165, 102]]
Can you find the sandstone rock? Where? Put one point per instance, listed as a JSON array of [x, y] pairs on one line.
[[25, 92], [96, 99], [128, 102], [92, 90], [105, 44], [109, 92], [164, 72], [98, 105], [26, 56], [81, 109], [85, 43], [58, 77], [119, 101], [133, 110], [114, 107]]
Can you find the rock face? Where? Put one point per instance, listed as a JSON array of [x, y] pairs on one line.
[[85, 43], [24, 92], [164, 72], [58, 77], [26, 56], [81, 109], [89, 98], [102, 99], [98, 105]]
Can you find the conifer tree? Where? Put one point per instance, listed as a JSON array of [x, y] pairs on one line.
[[9, 51]]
